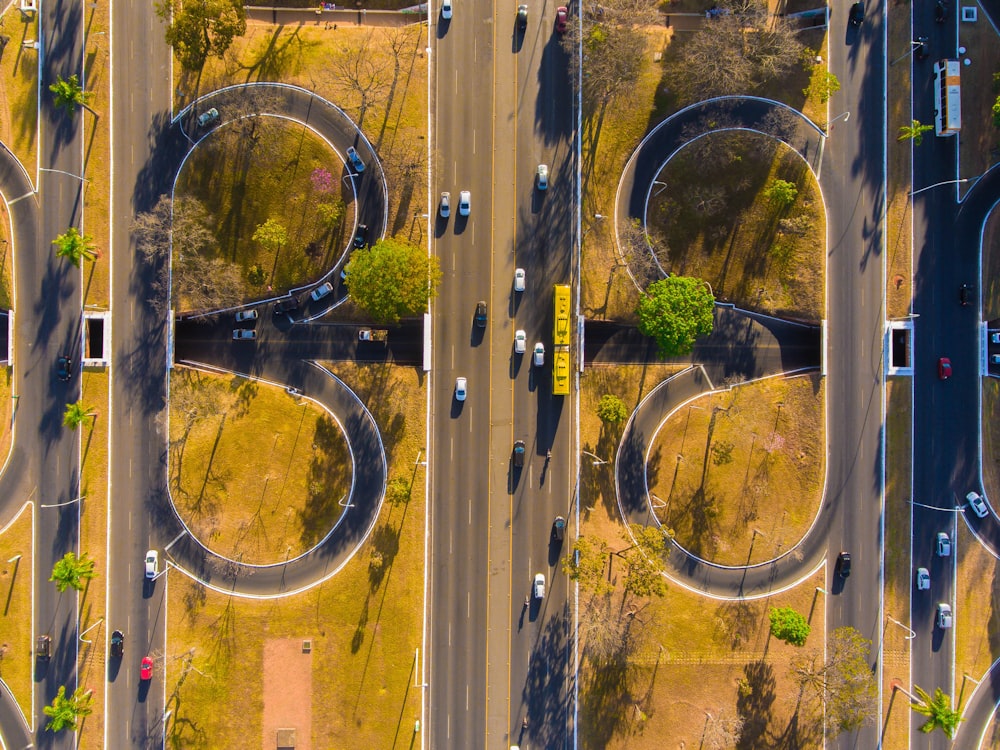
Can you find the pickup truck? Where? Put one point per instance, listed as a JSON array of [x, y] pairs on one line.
[[367, 334]]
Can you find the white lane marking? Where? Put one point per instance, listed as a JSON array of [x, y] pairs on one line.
[[468, 605], [473, 141]]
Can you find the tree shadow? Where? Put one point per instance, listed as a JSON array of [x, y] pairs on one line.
[[756, 697]]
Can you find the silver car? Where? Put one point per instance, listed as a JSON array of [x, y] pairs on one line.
[[445, 205], [977, 504]]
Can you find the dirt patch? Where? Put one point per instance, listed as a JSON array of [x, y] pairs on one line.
[[287, 691]]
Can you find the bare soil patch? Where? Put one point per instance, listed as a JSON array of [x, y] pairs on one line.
[[287, 691]]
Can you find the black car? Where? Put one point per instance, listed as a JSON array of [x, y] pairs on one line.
[[361, 236], [117, 644], [559, 528], [64, 367], [965, 294], [43, 647], [286, 305], [844, 564], [522, 17], [518, 457], [480, 315], [857, 15]]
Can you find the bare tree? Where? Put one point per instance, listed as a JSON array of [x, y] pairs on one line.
[[722, 730], [367, 73], [844, 681]]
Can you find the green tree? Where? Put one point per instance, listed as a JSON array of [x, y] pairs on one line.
[[611, 409], [781, 192], [844, 681], [585, 564], [392, 280], [71, 571], [823, 84], [198, 30], [397, 491], [914, 132], [69, 94], [65, 713], [996, 113], [74, 414], [272, 235], [644, 561], [788, 625], [938, 710], [75, 246], [675, 312]]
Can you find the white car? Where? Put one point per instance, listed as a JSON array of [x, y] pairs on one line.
[[520, 341], [538, 354], [246, 315], [943, 544], [543, 177], [152, 563], [321, 291], [445, 205], [977, 504], [538, 587], [464, 203], [519, 279], [446, 10], [461, 389], [944, 618], [352, 154], [923, 579], [244, 334], [207, 117]]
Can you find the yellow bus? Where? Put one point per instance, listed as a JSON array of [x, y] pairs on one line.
[[560, 371], [560, 326], [947, 97]]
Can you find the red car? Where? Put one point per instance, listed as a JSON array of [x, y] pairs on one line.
[[562, 18], [146, 668], [944, 368]]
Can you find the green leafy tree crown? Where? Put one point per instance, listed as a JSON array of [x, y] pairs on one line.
[[393, 280], [788, 625], [675, 312]]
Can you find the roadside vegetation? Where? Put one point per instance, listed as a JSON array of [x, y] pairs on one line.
[[356, 685], [979, 142], [256, 475], [17, 661], [19, 93]]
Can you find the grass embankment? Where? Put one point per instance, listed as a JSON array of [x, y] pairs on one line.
[[979, 144], [92, 662], [97, 156], [741, 471], [256, 475], [16, 649], [364, 624], [19, 90], [898, 216], [721, 227]]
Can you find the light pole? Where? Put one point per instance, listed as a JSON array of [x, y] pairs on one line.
[[84, 640], [911, 635], [60, 505], [914, 45], [84, 180], [598, 461], [945, 182], [597, 217]]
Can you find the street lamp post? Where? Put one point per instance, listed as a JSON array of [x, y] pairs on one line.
[[911, 635], [945, 182], [84, 640], [60, 505], [915, 44], [598, 461]]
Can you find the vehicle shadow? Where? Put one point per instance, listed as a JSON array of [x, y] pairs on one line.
[[456, 407], [443, 24]]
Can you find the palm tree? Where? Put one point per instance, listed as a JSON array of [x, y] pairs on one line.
[[936, 708], [914, 132], [71, 571], [75, 246], [66, 712], [75, 414], [69, 94]]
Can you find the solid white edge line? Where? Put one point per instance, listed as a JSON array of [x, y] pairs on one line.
[[428, 343]]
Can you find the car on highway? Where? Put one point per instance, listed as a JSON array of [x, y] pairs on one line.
[[520, 341], [522, 17], [446, 10], [977, 504], [857, 14], [844, 564], [519, 279], [538, 586], [208, 117], [246, 315], [944, 368], [542, 177], [559, 528], [43, 647], [117, 644], [445, 205], [321, 291], [965, 295], [943, 544], [995, 359], [461, 389], [464, 203], [64, 367], [480, 317], [152, 564], [518, 458], [244, 334], [562, 19], [538, 354], [355, 159], [995, 338], [146, 668], [944, 618], [361, 236], [923, 579]]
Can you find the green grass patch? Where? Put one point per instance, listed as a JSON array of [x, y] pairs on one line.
[[19, 90], [17, 663], [364, 624], [255, 474], [898, 216], [7, 404], [990, 297], [722, 227], [282, 172], [741, 471]]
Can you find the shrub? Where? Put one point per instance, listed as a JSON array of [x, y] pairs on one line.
[[788, 625]]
